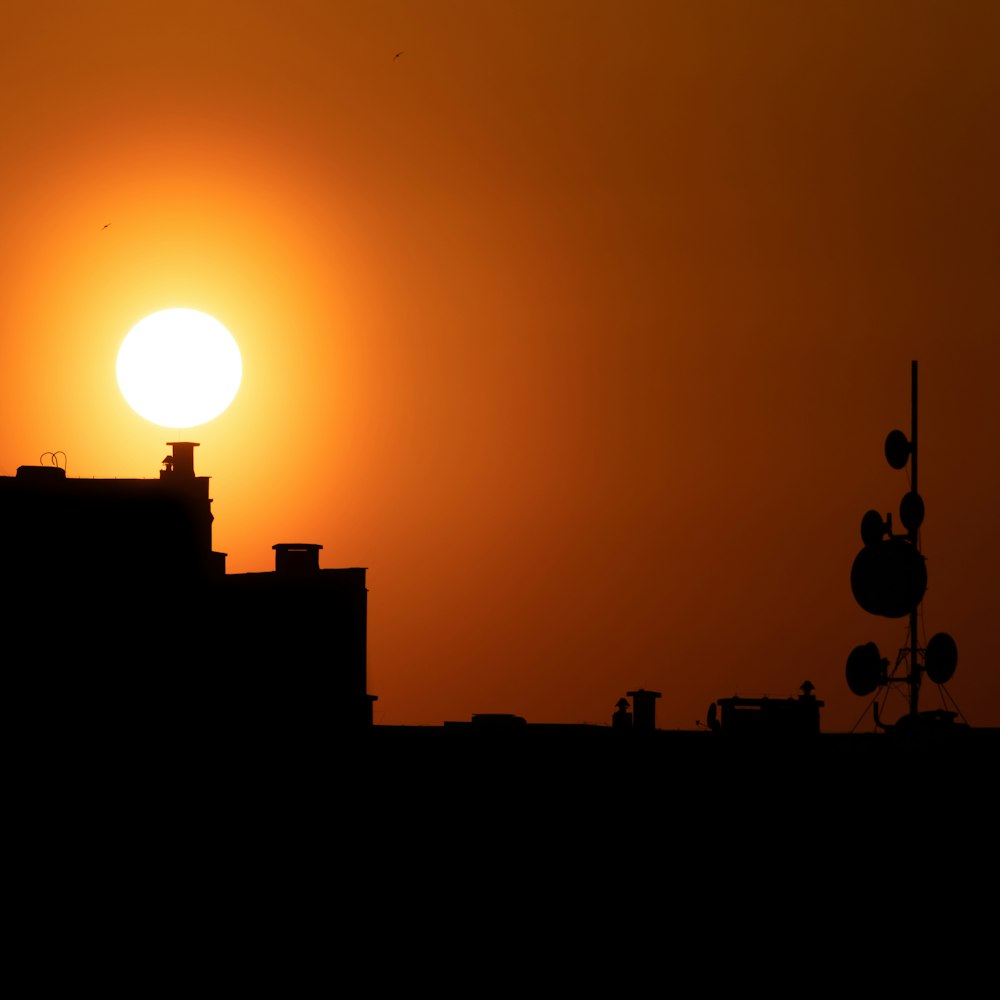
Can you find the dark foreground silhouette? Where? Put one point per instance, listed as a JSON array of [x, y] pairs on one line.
[[129, 641]]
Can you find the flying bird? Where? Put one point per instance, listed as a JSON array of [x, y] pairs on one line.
[[105, 226], [396, 56]]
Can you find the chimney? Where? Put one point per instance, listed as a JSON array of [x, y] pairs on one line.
[[296, 559], [181, 465], [644, 709]]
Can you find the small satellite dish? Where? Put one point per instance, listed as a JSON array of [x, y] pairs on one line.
[[865, 669], [872, 527], [941, 658], [911, 511], [897, 449]]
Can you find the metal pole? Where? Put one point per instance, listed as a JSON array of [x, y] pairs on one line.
[[914, 664]]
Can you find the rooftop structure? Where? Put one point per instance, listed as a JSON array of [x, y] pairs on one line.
[[121, 572]]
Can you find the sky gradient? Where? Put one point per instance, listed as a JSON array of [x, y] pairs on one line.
[[581, 325]]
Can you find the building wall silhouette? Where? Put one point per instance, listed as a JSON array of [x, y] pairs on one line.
[[121, 572]]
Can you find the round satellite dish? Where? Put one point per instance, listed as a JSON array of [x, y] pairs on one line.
[[872, 527], [890, 578], [911, 511], [865, 669], [897, 449], [941, 658]]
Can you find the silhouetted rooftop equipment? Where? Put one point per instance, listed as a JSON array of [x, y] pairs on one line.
[[768, 717], [41, 473], [622, 718], [941, 658], [182, 465], [866, 669], [644, 709], [889, 578], [296, 558]]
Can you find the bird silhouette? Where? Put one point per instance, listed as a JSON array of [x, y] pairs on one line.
[[396, 56], [105, 226]]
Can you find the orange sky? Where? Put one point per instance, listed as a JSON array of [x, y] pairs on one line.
[[580, 325]]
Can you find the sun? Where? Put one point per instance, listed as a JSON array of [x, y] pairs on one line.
[[179, 368]]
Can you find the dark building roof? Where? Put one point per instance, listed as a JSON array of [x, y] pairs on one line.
[[122, 573]]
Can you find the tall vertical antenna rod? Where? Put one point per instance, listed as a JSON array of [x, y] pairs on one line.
[[914, 539]]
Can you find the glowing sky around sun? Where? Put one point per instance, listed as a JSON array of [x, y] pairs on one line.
[[580, 324]]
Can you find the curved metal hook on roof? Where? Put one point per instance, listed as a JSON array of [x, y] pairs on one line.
[[53, 456]]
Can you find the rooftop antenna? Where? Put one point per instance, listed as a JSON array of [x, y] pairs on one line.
[[889, 578], [53, 457]]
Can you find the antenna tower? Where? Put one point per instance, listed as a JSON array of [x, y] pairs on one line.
[[889, 578]]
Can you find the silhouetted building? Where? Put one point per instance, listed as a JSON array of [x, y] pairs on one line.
[[307, 623], [68, 535], [122, 572]]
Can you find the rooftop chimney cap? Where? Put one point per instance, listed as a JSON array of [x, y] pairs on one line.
[[296, 558], [181, 463]]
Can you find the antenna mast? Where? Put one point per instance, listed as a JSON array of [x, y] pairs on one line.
[[889, 578], [914, 539]]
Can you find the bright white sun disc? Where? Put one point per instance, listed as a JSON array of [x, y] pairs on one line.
[[179, 368]]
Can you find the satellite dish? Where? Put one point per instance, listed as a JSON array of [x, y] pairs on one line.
[[911, 511], [890, 578], [897, 449], [941, 658], [865, 669], [872, 527]]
